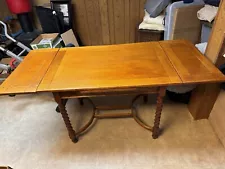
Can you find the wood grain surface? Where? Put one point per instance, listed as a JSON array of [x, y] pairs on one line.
[[28, 75], [134, 18], [217, 36], [103, 5], [221, 57], [190, 64], [206, 95], [202, 100], [127, 21], [99, 22], [111, 21], [81, 22], [119, 20], [113, 66], [94, 21], [110, 67]]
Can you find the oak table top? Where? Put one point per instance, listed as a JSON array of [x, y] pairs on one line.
[[134, 65], [113, 66], [29, 74], [190, 64]]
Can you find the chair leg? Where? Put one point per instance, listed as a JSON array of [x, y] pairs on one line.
[[159, 106]]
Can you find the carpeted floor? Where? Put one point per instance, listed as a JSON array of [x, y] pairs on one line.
[[33, 136]]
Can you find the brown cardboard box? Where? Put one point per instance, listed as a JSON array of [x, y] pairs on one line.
[[69, 37], [50, 40]]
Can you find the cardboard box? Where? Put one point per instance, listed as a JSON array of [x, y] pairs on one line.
[[69, 38], [52, 40]]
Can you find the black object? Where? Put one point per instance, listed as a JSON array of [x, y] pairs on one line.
[[27, 38], [65, 7], [222, 69], [75, 140], [144, 35], [213, 2], [69, 45], [25, 22], [179, 97], [188, 1], [51, 21], [57, 109]]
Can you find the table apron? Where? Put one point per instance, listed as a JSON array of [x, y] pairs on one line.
[[106, 92]]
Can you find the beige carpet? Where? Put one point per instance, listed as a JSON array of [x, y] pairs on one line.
[[33, 136], [217, 117]]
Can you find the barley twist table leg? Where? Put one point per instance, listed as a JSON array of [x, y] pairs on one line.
[[65, 116], [159, 106], [64, 101]]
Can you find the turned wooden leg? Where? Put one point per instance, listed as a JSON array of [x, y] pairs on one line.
[[159, 106], [145, 98], [64, 101], [65, 116]]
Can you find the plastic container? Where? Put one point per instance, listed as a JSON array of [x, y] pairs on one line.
[[170, 11]]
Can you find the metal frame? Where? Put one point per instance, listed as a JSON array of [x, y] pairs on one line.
[[11, 54], [74, 135]]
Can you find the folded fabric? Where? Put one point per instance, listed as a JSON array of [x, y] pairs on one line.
[[157, 20], [207, 13], [158, 27]]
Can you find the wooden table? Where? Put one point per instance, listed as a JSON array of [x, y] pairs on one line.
[[85, 72]]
